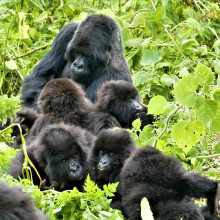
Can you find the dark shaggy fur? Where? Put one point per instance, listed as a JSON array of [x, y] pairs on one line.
[[164, 182], [93, 55], [59, 154], [106, 158], [61, 100], [119, 145], [17, 205], [118, 105]]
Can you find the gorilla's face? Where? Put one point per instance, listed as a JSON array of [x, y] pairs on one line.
[[88, 53]]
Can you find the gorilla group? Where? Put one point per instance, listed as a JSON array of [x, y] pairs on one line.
[[90, 53], [62, 100], [77, 93]]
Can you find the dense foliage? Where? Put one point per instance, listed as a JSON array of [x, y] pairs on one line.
[[173, 50]]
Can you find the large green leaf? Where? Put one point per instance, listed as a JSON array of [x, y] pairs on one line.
[[156, 105], [187, 134], [185, 91], [150, 58], [204, 75], [206, 109]]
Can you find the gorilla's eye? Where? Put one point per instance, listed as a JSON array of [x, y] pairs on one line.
[[64, 161], [74, 155]]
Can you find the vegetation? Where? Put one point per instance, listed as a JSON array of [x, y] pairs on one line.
[[173, 50]]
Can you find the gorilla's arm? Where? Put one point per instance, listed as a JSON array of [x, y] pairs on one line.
[[49, 67]]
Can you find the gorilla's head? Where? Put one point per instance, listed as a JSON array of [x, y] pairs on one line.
[[121, 100], [91, 49]]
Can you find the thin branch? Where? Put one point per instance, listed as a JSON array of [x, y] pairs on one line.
[[166, 125], [153, 5], [177, 47], [32, 51], [205, 157]]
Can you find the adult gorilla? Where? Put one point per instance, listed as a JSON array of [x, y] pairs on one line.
[[89, 53]]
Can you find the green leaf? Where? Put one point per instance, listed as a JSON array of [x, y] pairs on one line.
[[215, 124], [41, 17], [216, 64], [206, 90], [187, 134], [146, 213], [185, 91], [206, 109], [114, 5], [136, 124], [107, 12], [149, 58], [156, 105], [217, 148], [141, 78], [204, 75], [167, 80], [11, 65], [216, 95]]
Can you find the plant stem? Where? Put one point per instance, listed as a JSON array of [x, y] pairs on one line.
[[32, 51], [166, 125]]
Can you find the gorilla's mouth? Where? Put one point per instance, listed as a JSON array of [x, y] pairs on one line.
[[76, 174]]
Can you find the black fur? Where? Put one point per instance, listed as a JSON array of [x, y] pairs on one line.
[[118, 105], [111, 148], [94, 46], [164, 182], [61, 100], [16, 204], [59, 153]]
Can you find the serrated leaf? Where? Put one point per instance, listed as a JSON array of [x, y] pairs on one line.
[[11, 65], [206, 90], [215, 124], [217, 148], [150, 58], [146, 213], [204, 75], [139, 20], [216, 95], [114, 5], [206, 109], [156, 105], [216, 64], [167, 80], [41, 17], [187, 134], [140, 78], [184, 72], [185, 91], [136, 124]]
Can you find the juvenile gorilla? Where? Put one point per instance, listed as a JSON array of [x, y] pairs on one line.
[[106, 158], [118, 105], [61, 100], [17, 205], [164, 182], [59, 154], [89, 53]]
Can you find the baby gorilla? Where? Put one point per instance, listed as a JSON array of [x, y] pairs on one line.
[[164, 182], [118, 105], [61, 100], [59, 154], [107, 156], [17, 205]]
